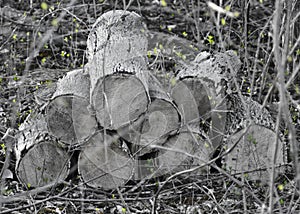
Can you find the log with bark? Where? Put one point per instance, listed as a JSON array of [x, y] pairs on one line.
[[116, 49], [69, 114]]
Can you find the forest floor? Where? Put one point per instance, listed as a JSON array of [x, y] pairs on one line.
[[41, 41]]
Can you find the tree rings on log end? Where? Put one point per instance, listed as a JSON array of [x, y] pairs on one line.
[[153, 128], [43, 164], [119, 100], [173, 156], [70, 120], [252, 156], [105, 164]]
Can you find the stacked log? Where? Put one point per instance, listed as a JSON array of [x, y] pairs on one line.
[[128, 124]]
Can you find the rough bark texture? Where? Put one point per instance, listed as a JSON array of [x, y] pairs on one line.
[[43, 164], [75, 82], [117, 43], [216, 73], [104, 163]]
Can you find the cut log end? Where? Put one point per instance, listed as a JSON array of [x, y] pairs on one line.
[[69, 119], [103, 163], [43, 164], [173, 156], [119, 100], [252, 156]]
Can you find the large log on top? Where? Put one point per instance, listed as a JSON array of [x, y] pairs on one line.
[[117, 47]]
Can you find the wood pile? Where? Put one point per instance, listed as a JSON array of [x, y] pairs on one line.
[[128, 123]]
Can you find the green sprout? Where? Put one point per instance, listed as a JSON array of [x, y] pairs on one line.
[[211, 40], [63, 53], [15, 36], [44, 60], [54, 22], [280, 187]]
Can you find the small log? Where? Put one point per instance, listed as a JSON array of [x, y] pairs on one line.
[[104, 163], [119, 100], [44, 163], [69, 119], [153, 128], [252, 155]]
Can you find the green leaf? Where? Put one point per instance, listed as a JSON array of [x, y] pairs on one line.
[[211, 40], [280, 187], [223, 21], [184, 34], [123, 210], [44, 60], [63, 53], [281, 201], [163, 3], [54, 22], [44, 5]]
